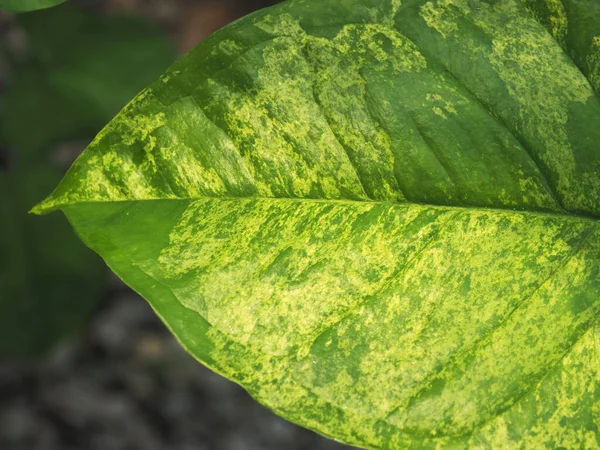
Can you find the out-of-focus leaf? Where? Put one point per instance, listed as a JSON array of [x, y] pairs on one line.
[[51, 33], [27, 5], [84, 69], [38, 115], [104, 59], [49, 281]]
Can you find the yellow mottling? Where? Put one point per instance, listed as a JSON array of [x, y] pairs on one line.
[[295, 158], [593, 61], [168, 75], [227, 47], [523, 53], [449, 107], [568, 391], [114, 177], [513, 57], [134, 129], [438, 15], [443, 105], [558, 20], [247, 286], [281, 25], [367, 41], [140, 128], [191, 176], [438, 111], [433, 97], [395, 7]]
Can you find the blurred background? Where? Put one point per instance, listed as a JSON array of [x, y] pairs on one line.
[[84, 362]]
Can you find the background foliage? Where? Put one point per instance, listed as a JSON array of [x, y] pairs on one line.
[[79, 70]]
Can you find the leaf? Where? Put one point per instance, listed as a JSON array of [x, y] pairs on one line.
[[380, 217], [33, 102], [84, 68], [49, 281], [27, 5], [103, 59]]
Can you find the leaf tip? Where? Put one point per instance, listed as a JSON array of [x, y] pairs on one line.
[[44, 207]]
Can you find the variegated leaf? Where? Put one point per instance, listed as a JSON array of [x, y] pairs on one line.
[[380, 217]]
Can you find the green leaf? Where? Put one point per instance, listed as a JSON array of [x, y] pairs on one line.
[[33, 102], [27, 5], [380, 217], [83, 69], [49, 281], [103, 59]]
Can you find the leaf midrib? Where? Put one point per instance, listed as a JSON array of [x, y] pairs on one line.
[[41, 209]]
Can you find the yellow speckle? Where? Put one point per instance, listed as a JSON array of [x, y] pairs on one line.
[[438, 111]]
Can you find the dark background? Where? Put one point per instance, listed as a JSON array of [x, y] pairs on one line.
[[106, 375]]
